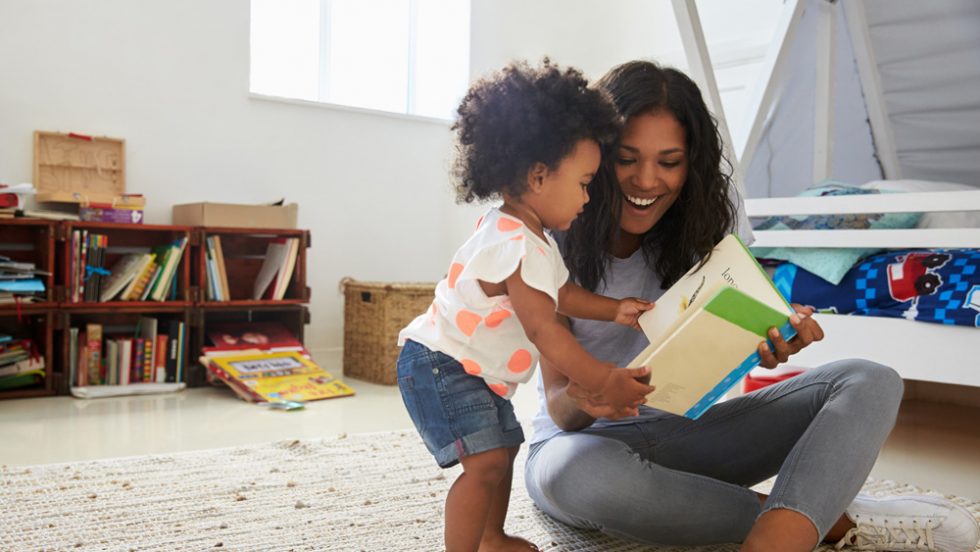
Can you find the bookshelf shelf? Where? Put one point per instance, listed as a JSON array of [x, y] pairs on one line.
[[36, 324], [49, 245], [31, 241]]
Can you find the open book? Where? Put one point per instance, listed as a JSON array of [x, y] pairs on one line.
[[705, 330]]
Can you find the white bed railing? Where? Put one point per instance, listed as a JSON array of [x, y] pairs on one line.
[[870, 203]]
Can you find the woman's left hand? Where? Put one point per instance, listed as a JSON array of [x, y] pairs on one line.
[[807, 331]]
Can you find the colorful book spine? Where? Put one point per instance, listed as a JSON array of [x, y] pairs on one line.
[[94, 349]]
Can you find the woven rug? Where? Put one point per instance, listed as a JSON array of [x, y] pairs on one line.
[[378, 491]]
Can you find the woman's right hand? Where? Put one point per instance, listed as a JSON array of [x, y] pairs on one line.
[[626, 389]]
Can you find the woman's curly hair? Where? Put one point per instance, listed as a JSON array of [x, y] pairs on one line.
[[520, 116], [700, 217]]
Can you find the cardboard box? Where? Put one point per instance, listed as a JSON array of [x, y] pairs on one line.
[[77, 168], [235, 216]]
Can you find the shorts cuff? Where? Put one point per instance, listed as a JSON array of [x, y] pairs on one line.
[[486, 439]]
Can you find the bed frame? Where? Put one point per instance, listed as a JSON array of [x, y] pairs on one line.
[[917, 350]]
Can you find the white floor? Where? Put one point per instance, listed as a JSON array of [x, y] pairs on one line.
[[933, 445]]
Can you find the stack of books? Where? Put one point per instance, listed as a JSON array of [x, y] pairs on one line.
[[19, 281], [264, 362], [20, 363]]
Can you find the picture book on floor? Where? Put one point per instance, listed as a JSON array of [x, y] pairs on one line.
[[264, 376], [706, 329]]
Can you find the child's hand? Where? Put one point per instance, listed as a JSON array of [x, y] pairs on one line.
[[629, 311], [621, 390], [595, 406]]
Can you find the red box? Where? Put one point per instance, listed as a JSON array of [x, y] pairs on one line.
[[763, 377]]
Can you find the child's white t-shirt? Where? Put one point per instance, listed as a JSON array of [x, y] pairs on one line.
[[483, 333]]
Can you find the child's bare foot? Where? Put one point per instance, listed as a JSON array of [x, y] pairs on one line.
[[506, 543]]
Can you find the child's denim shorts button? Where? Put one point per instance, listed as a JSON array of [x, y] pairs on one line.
[[435, 370]]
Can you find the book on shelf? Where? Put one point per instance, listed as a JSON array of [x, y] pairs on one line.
[[706, 329], [273, 278], [134, 290], [93, 353], [214, 287], [258, 376], [121, 274], [219, 256], [23, 379], [170, 261]]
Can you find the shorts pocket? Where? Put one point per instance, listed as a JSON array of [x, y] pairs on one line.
[[406, 385], [466, 393]]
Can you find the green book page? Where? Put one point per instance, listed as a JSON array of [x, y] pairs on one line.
[[744, 311]]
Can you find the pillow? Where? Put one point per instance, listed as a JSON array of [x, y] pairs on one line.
[[830, 263], [951, 219]]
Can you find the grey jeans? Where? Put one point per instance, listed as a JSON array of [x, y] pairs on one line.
[[665, 479]]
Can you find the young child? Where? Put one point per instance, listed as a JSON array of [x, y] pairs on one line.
[[531, 137]]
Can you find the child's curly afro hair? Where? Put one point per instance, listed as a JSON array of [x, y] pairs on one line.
[[520, 116]]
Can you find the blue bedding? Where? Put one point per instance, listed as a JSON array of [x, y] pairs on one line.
[[940, 286]]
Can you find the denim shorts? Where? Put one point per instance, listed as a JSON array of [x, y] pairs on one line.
[[456, 413]]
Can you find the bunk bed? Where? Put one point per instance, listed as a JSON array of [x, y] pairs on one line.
[[858, 92]]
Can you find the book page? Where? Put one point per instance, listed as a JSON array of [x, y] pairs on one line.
[[694, 360], [730, 264]]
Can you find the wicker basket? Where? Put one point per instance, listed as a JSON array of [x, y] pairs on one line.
[[374, 313]]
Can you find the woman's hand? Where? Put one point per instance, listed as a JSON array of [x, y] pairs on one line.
[[807, 331], [629, 310]]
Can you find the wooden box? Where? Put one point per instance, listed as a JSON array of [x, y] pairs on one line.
[[76, 168]]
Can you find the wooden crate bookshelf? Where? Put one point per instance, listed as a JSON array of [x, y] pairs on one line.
[[31, 241], [48, 322], [244, 250], [36, 324], [122, 239], [118, 323], [292, 317]]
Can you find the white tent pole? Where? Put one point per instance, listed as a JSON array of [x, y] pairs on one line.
[[881, 128], [701, 70], [772, 70], [824, 93]]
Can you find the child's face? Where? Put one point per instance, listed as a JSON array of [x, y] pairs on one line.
[[561, 193]]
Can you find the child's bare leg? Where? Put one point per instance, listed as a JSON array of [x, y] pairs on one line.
[[469, 499], [494, 538]]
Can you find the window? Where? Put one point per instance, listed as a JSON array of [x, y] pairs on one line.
[[401, 56]]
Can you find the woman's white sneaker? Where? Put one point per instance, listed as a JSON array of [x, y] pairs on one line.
[[899, 523]]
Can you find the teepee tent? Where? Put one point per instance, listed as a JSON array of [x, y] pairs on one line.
[[858, 90]]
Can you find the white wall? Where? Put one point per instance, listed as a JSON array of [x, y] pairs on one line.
[[171, 78]]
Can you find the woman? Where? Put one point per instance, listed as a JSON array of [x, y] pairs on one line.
[[660, 204]]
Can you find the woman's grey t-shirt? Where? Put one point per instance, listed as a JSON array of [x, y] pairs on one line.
[[607, 341]]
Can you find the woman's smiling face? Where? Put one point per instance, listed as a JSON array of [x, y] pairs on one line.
[[651, 167]]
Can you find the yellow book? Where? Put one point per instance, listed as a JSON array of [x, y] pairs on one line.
[[706, 329], [285, 375]]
